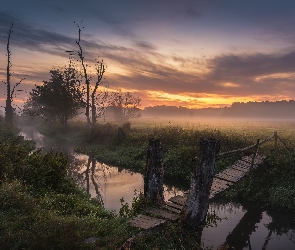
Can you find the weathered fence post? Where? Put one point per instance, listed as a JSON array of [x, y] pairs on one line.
[[154, 175], [197, 204], [254, 154], [276, 139]]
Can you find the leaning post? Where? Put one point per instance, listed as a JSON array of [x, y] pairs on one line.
[[154, 174], [197, 204], [276, 139], [254, 155]]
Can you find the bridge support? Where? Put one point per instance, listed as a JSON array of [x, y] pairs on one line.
[[154, 175], [197, 204]]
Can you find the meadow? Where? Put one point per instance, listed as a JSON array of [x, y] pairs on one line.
[[273, 184], [41, 208]]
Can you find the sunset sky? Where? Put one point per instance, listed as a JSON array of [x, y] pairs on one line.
[[185, 53]]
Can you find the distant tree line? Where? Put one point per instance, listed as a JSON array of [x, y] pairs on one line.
[[266, 109], [277, 110]]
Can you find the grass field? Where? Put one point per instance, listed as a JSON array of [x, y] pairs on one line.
[[40, 208], [274, 184]]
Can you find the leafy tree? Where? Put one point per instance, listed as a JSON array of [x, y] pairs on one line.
[[60, 98], [124, 106]]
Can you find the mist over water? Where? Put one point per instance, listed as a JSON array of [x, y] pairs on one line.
[[107, 183], [244, 225]]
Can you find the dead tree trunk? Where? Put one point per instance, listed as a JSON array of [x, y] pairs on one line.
[[154, 176], [197, 204], [8, 106]]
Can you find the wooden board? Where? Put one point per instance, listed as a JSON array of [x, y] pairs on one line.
[[171, 209], [241, 168], [173, 205], [218, 186], [178, 199], [257, 161], [231, 175], [242, 164], [162, 214], [145, 222]]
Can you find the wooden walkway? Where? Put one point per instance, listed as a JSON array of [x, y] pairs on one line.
[[171, 209]]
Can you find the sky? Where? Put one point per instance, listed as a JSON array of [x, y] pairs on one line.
[[194, 54]]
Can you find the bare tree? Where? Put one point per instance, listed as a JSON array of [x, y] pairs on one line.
[[98, 98], [86, 77], [124, 106], [10, 93]]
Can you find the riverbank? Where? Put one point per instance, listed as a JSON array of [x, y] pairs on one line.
[[41, 208], [273, 184]]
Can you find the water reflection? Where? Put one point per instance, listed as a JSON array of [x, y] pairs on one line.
[[106, 183], [250, 226], [109, 184]]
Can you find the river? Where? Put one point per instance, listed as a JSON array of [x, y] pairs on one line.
[[244, 225]]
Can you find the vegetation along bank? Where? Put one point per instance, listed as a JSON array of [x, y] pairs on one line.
[[272, 184]]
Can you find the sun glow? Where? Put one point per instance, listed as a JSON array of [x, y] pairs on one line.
[[191, 100]]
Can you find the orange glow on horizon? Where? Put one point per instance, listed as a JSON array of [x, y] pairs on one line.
[[155, 98]]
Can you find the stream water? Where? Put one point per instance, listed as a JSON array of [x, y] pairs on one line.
[[244, 225]]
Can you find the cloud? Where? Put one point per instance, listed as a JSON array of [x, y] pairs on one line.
[[28, 36], [144, 45], [252, 74], [146, 68], [192, 13]]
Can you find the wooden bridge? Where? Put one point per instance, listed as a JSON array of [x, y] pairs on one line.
[[171, 209], [191, 207]]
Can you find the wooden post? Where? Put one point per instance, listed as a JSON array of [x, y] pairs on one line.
[[276, 139], [197, 204], [154, 175], [254, 154]]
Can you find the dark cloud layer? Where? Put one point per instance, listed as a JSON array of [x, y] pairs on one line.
[[191, 12], [148, 68]]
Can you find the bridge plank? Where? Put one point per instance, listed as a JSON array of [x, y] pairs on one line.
[[171, 209], [145, 222], [231, 175], [178, 199], [162, 214], [173, 205], [259, 159]]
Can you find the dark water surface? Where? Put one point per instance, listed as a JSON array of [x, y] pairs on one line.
[[244, 225]]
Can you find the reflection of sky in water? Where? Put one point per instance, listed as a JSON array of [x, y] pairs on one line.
[[271, 230], [107, 183], [114, 183], [268, 231]]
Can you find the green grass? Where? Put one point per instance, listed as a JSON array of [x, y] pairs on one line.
[[40, 208], [273, 185], [55, 221]]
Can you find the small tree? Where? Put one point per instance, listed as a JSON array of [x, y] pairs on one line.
[[124, 106], [60, 98]]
